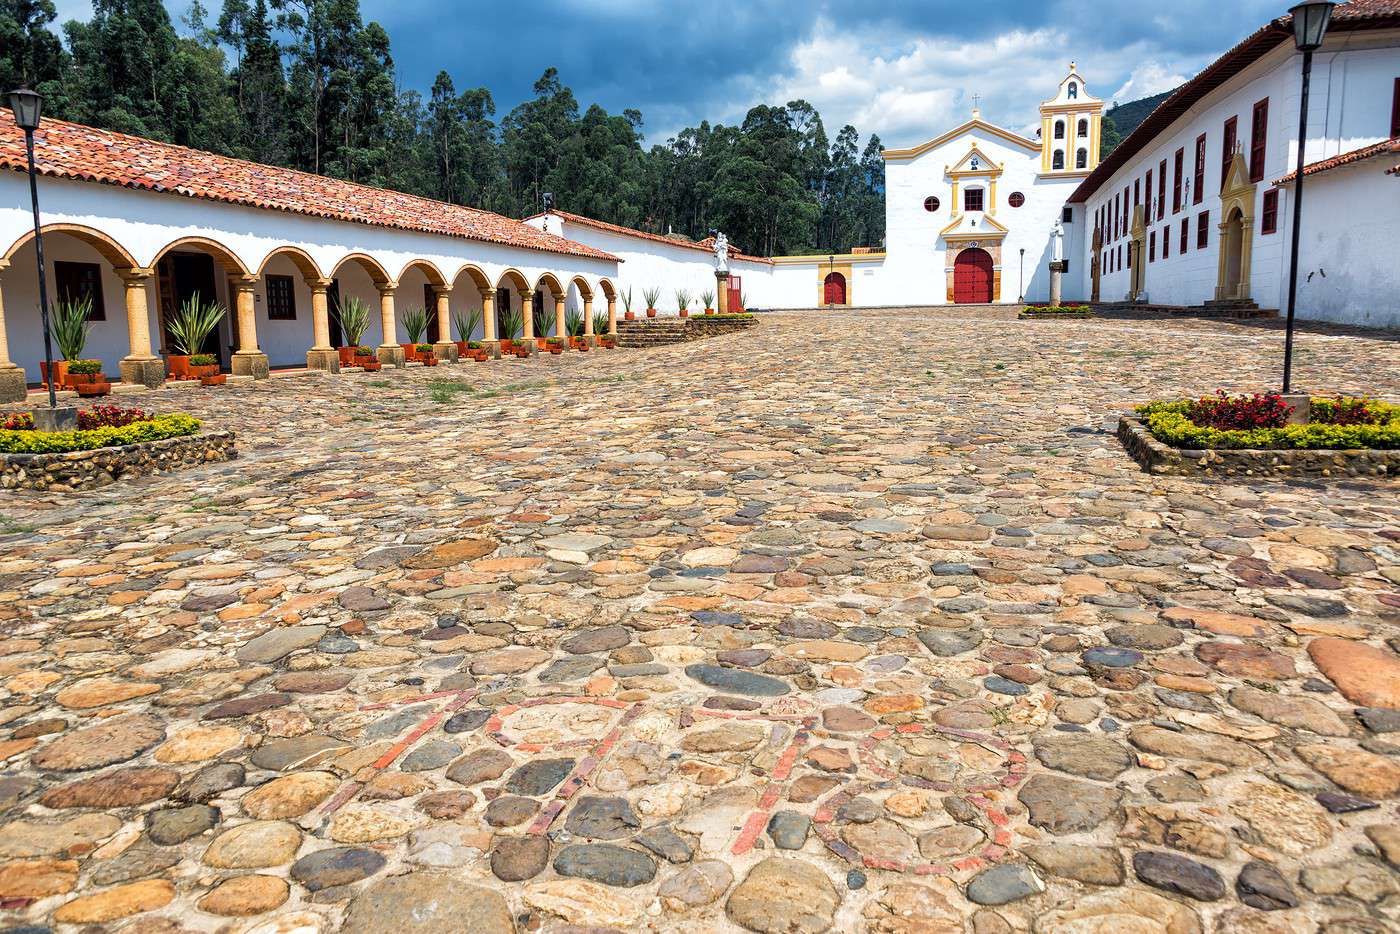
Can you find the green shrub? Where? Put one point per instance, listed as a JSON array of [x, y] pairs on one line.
[[192, 324], [473, 345], [466, 323], [84, 367], [415, 323], [54, 442], [203, 359], [72, 319], [1169, 423], [353, 315]]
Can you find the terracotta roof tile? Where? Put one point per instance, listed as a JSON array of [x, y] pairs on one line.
[[1355, 15], [705, 246], [1346, 158], [71, 150]]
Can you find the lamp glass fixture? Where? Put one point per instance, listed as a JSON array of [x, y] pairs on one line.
[[1310, 22], [26, 105]]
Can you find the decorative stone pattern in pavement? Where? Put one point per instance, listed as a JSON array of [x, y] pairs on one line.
[[850, 622]]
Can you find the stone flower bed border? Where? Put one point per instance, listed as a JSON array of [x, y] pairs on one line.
[[85, 470], [711, 325], [1058, 311], [1158, 458]]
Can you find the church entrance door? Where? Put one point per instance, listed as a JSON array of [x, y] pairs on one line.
[[834, 292], [972, 277]]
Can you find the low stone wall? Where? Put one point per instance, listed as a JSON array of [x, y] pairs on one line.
[[1158, 458], [703, 326], [1038, 313], [84, 470]]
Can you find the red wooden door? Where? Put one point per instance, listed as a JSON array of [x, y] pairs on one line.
[[972, 277], [835, 292], [736, 293]]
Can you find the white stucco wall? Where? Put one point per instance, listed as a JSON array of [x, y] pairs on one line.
[[1349, 216], [144, 223]]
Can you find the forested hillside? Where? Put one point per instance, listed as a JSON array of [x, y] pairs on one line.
[[308, 84]]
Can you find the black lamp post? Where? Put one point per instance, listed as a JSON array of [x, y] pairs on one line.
[[1022, 278], [1309, 27], [26, 106]]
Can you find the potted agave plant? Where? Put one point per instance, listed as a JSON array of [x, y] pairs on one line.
[[511, 323], [628, 313], [353, 316], [189, 328], [423, 353], [415, 324], [475, 351], [70, 331], [707, 298], [600, 325], [650, 296], [683, 303], [466, 324], [573, 324], [542, 320]]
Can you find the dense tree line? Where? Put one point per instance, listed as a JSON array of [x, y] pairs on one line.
[[309, 85]]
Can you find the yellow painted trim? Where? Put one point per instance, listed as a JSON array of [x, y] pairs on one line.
[[997, 227], [1070, 173], [975, 124], [996, 237], [1071, 106], [1046, 143], [992, 197], [992, 172], [802, 259]]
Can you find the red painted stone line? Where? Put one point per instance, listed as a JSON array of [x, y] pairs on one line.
[[578, 776]]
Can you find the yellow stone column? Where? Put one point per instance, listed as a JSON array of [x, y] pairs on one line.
[[722, 287], [13, 383], [140, 365], [248, 360], [561, 327], [588, 334], [389, 352], [321, 356], [445, 348], [489, 340], [612, 316], [527, 307]]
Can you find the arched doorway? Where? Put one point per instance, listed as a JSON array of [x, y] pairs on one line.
[[1233, 249], [834, 289], [972, 277]]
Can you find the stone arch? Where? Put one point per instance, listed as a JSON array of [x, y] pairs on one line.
[[369, 264], [299, 257], [584, 290], [110, 250], [1236, 248], [220, 253], [549, 281], [474, 272], [514, 277], [608, 289], [430, 271]]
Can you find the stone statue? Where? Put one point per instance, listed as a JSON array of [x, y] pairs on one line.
[[1057, 235], [721, 253]]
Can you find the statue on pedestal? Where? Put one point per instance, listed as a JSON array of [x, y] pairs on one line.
[[721, 253]]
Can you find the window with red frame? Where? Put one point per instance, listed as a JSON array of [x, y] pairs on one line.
[[1200, 191], [1166, 241], [1137, 192], [1259, 141], [1268, 222], [1395, 110], [1202, 230], [972, 199], [1176, 183], [1148, 188], [1152, 247], [1185, 235], [1161, 189], [1227, 153]]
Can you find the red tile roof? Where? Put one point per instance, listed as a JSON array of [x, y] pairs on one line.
[[705, 246], [70, 150], [1346, 158], [1355, 15]]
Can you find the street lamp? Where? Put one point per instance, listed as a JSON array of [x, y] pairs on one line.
[[1309, 27], [26, 105], [1022, 299]]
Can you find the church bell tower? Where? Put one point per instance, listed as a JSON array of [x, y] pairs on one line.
[[1070, 129]]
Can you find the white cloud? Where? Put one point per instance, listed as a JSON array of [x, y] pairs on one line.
[[913, 89]]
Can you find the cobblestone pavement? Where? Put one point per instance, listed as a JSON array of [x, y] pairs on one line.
[[857, 622]]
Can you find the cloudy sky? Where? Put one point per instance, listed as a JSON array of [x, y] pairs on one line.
[[906, 69]]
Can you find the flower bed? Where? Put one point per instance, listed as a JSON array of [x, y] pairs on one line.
[[1250, 435], [110, 443], [1056, 311]]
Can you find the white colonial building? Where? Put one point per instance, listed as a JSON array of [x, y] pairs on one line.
[[1195, 206]]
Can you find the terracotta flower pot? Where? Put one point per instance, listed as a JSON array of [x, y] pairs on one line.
[[542, 343], [630, 316], [97, 385], [709, 311], [216, 379], [347, 355], [685, 312], [370, 366], [60, 369], [203, 372], [651, 312], [462, 348], [178, 365]]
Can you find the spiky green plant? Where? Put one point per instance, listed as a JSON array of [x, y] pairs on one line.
[[627, 301], [511, 322], [651, 296], [70, 326], [415, 323], [707, 298], [192, 324], [541, 318], [466, 323], [600, 322], [573, 322], [682, 299], [353, 314]]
